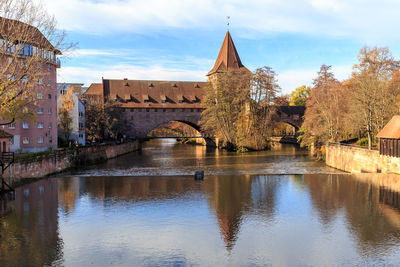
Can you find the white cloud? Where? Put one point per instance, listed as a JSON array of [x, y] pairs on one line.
[[88, 75], [291, 79], [367, 20]]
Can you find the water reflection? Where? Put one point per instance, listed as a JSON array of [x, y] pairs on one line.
[[228, 219], [29, 226]]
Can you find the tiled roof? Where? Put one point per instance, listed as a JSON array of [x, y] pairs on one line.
[[4, 134], [391, 129], [94, 89], [10, 26], [228, 57], [155, 94]]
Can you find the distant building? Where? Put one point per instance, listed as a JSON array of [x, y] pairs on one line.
[[73, 91], [39, 134]]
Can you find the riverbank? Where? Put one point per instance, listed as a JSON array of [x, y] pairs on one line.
[[360, 160], [61, 160]]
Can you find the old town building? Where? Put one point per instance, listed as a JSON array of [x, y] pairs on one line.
[[39, 132], [71, 92]]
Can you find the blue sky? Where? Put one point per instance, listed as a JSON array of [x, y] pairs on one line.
[[180, 39]]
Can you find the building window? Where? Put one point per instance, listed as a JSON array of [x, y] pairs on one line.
[[25, 79], [50, 111], [155, 110], [163, 101], [25, 140], [180, 101], [146, 101], [40, 81], [80, 126], [49, 67], [50, 139], [40, 125], [199, 110], [40, 140], [132, 109], [191, 110], [39, 96], [48, 83], [25, 125], [164, 110], [80, 135], [40, 111], [12, 140], [11, 126], [49, 96], [50, 125], [147, 110], [80, 114]]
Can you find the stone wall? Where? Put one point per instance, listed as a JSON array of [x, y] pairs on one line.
[[360, 160], [60, 160]]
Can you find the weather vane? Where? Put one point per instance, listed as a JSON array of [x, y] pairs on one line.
[[228, 18]]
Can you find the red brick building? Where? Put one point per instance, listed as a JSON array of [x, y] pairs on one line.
[[40, 133]]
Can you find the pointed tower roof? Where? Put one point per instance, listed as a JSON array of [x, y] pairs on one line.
[[228, 57]]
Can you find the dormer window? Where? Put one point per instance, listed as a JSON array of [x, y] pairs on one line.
[[151, 85], [163, 99], [146, 98], [180, 98], [174, 85]]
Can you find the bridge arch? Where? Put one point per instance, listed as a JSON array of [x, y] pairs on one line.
[[193, 125]]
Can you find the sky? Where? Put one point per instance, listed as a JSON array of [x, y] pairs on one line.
[[180, 39]]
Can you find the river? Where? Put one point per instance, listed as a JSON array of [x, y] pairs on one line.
[[270, 208]]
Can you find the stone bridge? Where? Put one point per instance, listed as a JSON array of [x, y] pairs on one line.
[[148, 104]]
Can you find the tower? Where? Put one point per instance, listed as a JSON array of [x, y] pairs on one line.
[[228, 59]]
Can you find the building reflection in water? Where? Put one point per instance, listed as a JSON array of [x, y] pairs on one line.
[[372, 213], [232, 197], [229, 196], [29, 226]]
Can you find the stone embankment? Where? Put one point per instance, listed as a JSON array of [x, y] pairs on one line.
[[360, 160], [60, 160]]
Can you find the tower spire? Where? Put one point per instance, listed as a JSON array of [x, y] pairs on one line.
[[228, 57]]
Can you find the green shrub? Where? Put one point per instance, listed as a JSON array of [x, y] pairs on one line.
[[364, 141]]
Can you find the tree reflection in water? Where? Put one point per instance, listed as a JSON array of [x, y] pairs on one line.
[[29, 224]]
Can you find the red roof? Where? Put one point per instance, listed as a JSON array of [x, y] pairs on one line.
[[391, 129], [151, 94], [19, 31], [95, 89], [228, 58]]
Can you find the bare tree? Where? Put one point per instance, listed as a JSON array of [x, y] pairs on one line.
[[374, 92], [326, 108], [29, 41]]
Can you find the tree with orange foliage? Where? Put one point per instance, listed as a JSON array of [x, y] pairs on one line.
[[375, 85], [325, 110]]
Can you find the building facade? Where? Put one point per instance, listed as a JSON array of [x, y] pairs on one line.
[[38, 131], [72, 92]]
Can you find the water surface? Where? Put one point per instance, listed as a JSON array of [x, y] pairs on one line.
[[277, 208]]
